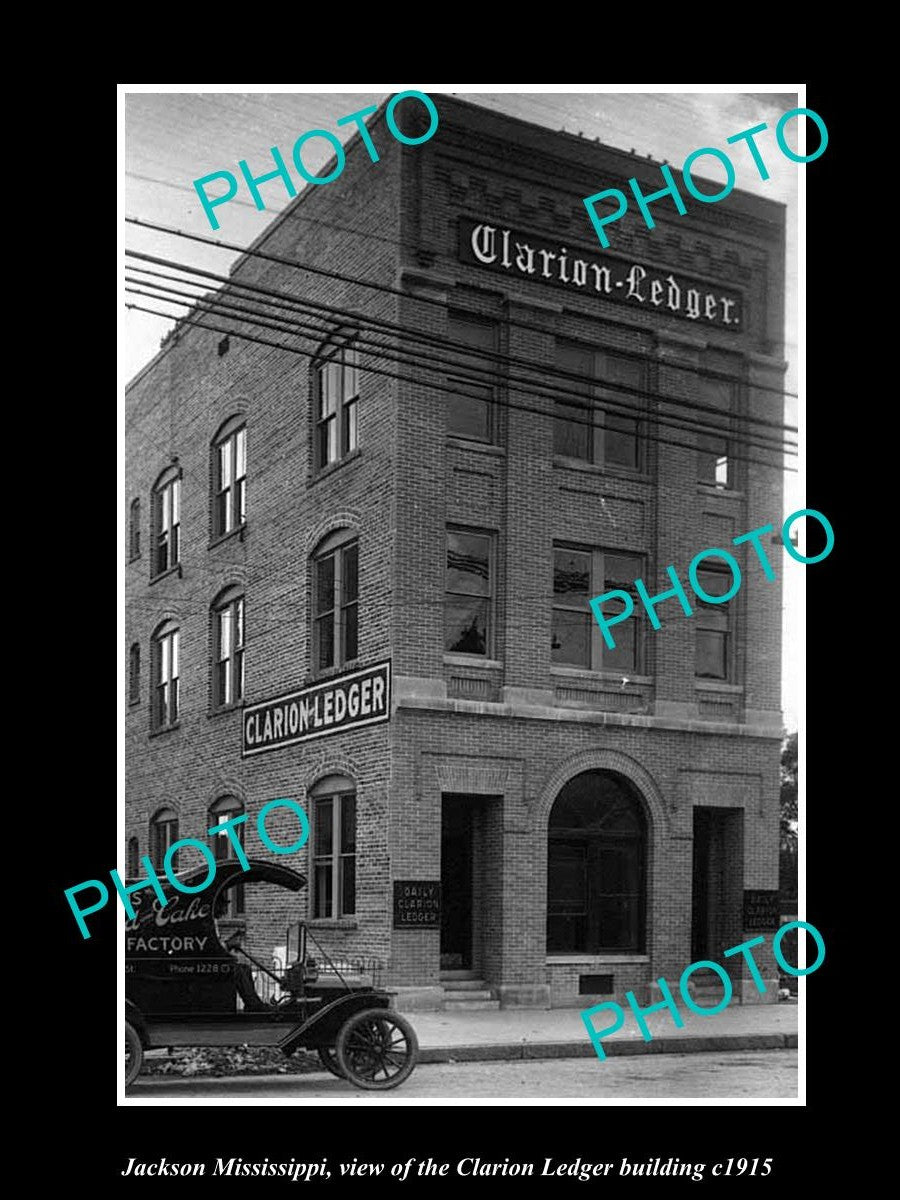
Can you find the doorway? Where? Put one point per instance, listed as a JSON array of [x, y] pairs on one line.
[[456, 883], [718, 873]]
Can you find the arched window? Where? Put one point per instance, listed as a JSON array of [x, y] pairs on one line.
[[134, 674], [134, 530], [336, 398], [163, 834], [133, 858], [228, 648], [334, 846], [229, 477], [335, 584], [164, 669], [596, 866], [224, 809], [166, 521]]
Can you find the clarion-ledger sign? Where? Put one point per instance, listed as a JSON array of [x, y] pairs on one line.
[[345, 702], [511, 252]]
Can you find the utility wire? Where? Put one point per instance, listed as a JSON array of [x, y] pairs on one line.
[[392, 291], [486, 375], [442, 387]]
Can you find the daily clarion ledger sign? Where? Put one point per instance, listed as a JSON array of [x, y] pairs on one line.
[[514, 253], [347, 702]]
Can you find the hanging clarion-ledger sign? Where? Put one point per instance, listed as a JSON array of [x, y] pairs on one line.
[[345, 702]]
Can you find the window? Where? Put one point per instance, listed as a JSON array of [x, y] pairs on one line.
[[133, 858], [337, 401], [228, 650], [166, 519], [165, 676], [232, 899], [584, 429], [714, 466], [595, 867], [134, 674], [468, 599], [335, 601], [134, 530], [163, 834], [229, 478], [712, 648], [334, 841], [470, 402], [579, 574]]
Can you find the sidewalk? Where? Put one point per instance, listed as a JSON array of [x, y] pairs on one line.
[[446, 1037]]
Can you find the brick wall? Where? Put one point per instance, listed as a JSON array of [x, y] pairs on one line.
[[516, 729]]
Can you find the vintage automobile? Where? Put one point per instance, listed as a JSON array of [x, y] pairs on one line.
[[187, 983]]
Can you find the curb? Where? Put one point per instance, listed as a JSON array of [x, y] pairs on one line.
[[517, 1051]]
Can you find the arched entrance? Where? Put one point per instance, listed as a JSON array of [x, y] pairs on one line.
[[597, 841]]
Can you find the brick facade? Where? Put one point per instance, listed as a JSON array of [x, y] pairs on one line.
[[500, 734]]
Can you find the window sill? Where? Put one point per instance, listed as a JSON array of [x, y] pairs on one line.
[[238, 532], [134, 558], [222, 709], [713, 685], [176, 570], [713, 489], [600, 676], [611, 958], [611, 469], [155, 733], [134, 704], [324, 472], [454, 439], [332, 923], [326, 673], [472, 660]]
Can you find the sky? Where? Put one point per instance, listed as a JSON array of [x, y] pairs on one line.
[[173, 135]]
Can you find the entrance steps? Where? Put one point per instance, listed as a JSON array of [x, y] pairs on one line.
[[465, 992]]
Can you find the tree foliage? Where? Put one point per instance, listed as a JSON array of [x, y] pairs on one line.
[[789, 793]]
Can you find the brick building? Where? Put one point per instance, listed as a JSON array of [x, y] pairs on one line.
[[389, 517]]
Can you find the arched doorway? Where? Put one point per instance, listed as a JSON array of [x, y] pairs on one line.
[[597, 866]]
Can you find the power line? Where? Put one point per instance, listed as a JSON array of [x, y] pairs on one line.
[[442, 387], [502, 376], [227, 307], [392, 291]]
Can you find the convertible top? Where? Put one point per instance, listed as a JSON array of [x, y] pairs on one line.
[[186, 925]]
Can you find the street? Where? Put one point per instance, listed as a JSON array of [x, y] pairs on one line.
[[764, 1073]]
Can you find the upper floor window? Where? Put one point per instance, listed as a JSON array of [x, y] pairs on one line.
[[584, 428], [134, 673], [334, 847], [133, 858], [468, 601], [166, 521], [163, 835], [337, 401], [228, 649], [471, 391], [715, 464], [165, 676], [712, 626], [579, 574], [336, 600], [232, 899], [229, 477], [134, 530]]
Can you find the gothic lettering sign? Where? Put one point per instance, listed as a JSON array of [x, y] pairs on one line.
[[346, 702], [417, 904], [761, 911], [521, 256]]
